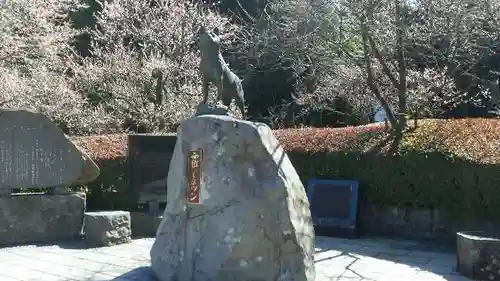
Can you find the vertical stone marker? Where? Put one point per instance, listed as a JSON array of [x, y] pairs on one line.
[[34, 152], [253, 221]]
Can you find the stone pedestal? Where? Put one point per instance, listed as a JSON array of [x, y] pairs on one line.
[[478, 255], [212, 109], [107, 228], [251, 219]]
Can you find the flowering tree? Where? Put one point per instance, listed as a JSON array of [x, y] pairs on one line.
[[458, 41], [414, 53], [288, 57], [297, 56], [35, 56], [144, 67]]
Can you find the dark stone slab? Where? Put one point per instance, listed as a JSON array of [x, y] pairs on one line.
[[149, 160], [29, 218], [144, 224], [334, 206], [478, 255]]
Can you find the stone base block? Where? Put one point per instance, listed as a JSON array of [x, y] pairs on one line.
[[107, 228], [478, 255], [212, 109], [38, 217]]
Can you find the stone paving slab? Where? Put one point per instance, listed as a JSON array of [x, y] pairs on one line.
[[367, 259]]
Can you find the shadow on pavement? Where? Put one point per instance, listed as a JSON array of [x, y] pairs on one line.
[[144, 273], [379, 258]]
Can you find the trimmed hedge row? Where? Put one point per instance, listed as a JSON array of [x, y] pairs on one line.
[[448, 164]]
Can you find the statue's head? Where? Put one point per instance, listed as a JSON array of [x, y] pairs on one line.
[[208, 39], [203, 30]]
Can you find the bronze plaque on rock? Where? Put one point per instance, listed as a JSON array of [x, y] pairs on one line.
[[194, 176]]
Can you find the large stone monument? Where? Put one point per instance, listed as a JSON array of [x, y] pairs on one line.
[[35, 153], [236, 208]]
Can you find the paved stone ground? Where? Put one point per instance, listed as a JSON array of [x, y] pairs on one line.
[[336, 259]]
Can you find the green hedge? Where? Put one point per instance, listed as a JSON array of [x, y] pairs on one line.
[[452, 165], [414, 179]]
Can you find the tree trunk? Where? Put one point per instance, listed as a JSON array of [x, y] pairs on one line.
[[402, 89], [371, 81]]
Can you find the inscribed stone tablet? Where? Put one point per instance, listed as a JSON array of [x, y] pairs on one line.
[[34, 152]]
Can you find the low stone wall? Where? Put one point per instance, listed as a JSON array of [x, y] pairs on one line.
[[405, 222], [416, 223], [29, 218]]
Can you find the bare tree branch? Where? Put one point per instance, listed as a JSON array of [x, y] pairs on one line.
[[370, 79]]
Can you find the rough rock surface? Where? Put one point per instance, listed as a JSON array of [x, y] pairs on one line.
[[253, 221], [478, 255], [29, 218], [34, 152], [107, 228]]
